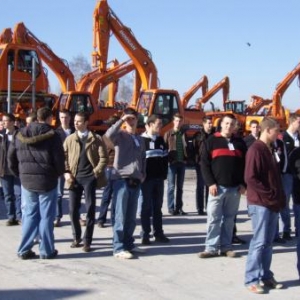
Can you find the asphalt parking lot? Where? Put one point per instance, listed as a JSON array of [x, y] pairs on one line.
[[165, 271]]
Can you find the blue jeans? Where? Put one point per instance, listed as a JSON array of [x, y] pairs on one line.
[[221, 211], [12, 196], [60, 194], [264, 222], [153, 193], [38, 218], [125, 201], [285, 213], [106, 198], [297, 225], [176, 172]]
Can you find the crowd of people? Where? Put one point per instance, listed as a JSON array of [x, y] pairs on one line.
[[38, 162]]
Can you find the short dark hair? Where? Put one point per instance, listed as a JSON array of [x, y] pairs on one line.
[[130, 111], [11, 117], [230, 116], [43, 114], [65, 111], [254, 122], [177, 115], [206, 118], [84, 115], [293, 117], [153, 118]]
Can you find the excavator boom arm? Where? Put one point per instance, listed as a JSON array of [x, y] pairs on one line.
[[106, 21], [21, 35]]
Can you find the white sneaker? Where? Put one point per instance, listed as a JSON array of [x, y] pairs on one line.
[[123, 255], [137, 250]]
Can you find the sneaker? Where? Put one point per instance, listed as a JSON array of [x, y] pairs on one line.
[[272, 284], [137, 250], [256, 288], [229, 253], [202, 213], [180, 212], [76, 244], [207, 254], [36, 241], [279, 240], [146, 241], [287, 236], [100, 225], [57, 223], [173, 212], [123, 255], [86, 248], [162, 239], [51, 256], [238, 241], [12, 222], [27, 255]]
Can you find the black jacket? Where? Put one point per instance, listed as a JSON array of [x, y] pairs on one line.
[[156, 157], [4, 145], [37, 156], [62, 133]]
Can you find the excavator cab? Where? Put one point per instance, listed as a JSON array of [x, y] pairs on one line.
[[237, 107], [20, 59], [163, 103]]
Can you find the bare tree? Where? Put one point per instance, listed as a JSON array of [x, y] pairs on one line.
[[125, 89], [79, 66]]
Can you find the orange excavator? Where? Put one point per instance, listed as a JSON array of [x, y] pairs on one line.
[[202, 83], [235, 107], [151, 99], [24, 83], [23, 36], [274, 107], [75, 97], [243, 113], [95, 82]]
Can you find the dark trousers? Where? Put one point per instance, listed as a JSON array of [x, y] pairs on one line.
[[201, 190], [106, 199], [88, 185], [153, 192], [60, 194]]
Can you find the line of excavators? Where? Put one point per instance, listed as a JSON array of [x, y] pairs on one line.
[[24, 78]]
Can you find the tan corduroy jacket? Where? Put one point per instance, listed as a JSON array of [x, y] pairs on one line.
[[95, 151]]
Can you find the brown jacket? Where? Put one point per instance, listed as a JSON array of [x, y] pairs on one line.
[[95, 151]]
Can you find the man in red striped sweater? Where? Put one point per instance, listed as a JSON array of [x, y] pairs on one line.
[[222, 166]]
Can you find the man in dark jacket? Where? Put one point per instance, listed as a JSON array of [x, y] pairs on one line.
[[198, 142], [11, 185], [153, 186], [64, 130], [291, 139], [37, 157], [294, 163]]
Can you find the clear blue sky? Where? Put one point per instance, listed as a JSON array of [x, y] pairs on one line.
[[187, 39]]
